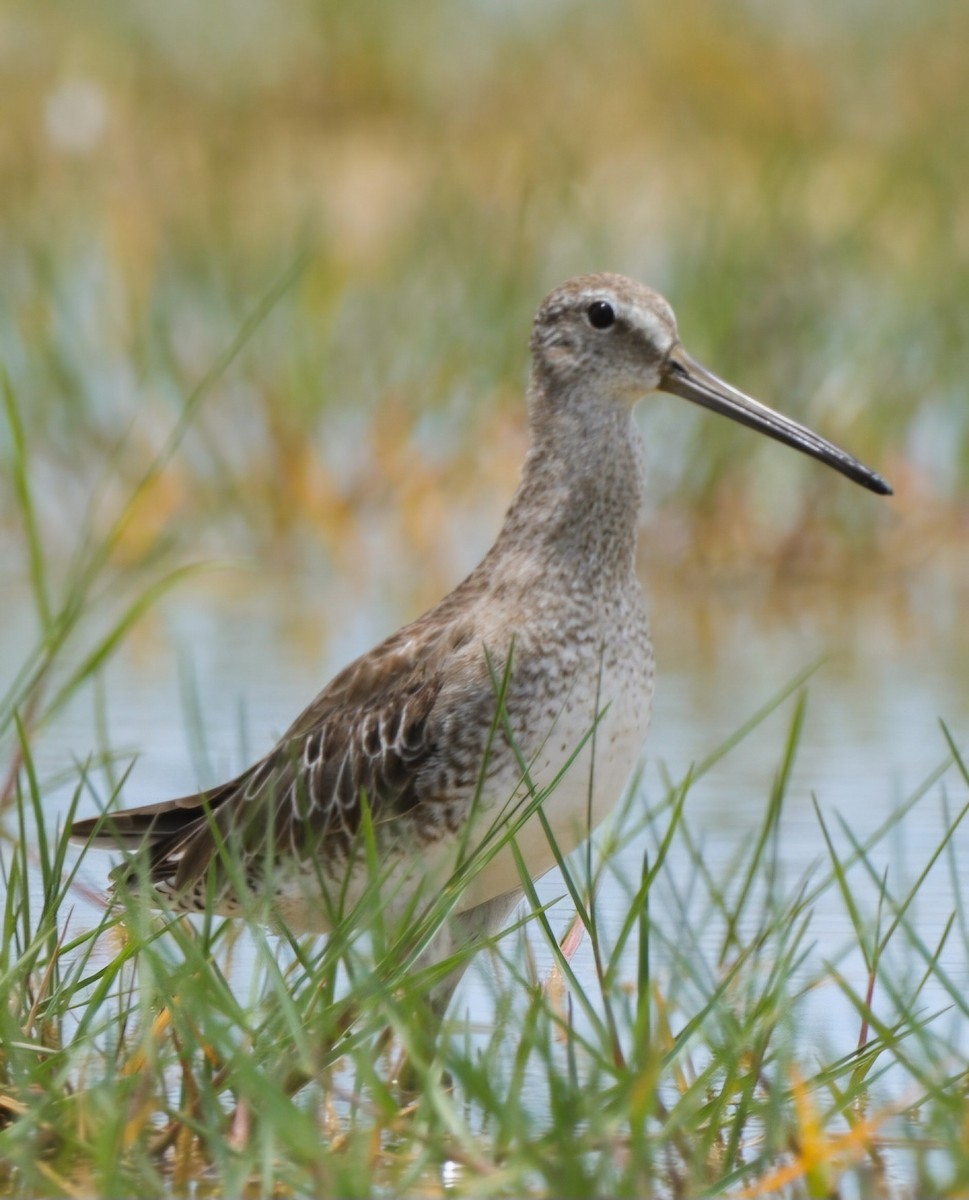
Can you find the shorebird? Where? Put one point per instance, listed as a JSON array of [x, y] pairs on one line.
[[536, 670]]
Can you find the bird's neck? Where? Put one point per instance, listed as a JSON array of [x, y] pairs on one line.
[[577, 506]]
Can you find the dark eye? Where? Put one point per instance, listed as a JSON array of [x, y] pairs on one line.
[[601, 315]]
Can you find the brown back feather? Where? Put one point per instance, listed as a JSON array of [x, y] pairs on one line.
[[369, 732]]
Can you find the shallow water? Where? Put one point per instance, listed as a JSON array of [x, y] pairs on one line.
[[896, 659]]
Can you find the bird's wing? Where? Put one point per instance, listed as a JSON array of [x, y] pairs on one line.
[[368, 734]]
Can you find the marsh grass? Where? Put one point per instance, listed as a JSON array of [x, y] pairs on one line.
[[665, 1053]]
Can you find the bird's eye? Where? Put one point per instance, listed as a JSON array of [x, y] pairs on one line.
[[601, 315]]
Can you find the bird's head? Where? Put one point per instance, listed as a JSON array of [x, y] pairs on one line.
[[610, 338]]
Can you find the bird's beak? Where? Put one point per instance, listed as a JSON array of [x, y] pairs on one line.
[[683, 376]]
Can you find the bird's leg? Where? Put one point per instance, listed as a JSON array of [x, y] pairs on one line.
[[463, 932]]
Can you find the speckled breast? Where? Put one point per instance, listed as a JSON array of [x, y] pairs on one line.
[[579, 705]]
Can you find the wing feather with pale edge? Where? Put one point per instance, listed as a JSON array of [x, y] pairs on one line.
[[373, 730]]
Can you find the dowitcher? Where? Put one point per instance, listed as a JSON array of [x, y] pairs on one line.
[[536, 670]]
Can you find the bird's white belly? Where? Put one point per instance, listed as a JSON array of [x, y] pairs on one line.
[[583, 765]]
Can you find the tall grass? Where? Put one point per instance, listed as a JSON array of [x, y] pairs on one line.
[[662, 1053]]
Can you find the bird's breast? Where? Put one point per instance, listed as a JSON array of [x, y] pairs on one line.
[[578, 707]]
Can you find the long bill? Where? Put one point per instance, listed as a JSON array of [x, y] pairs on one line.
[[685, 377]]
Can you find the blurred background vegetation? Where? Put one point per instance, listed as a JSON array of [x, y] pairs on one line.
[[794, 178]]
